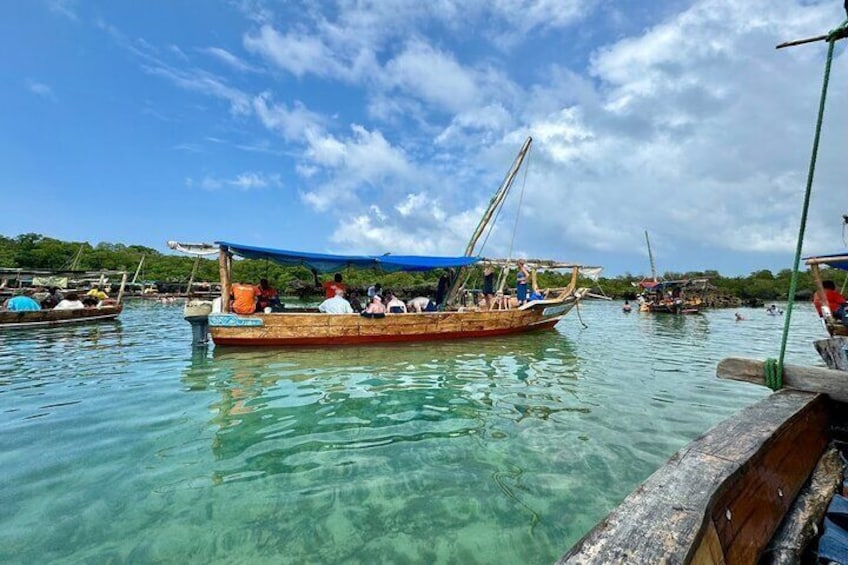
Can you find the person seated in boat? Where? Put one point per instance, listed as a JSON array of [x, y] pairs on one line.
[[70, 302], [835, 300], [97, 293], [267, 297], [244, 298], [22, 302], [394, 305], [376, 309], [331, 286], [354, 301], [89, 302], [53, 298], [374, 290], [336, 305], [418, 304], [521, 279]]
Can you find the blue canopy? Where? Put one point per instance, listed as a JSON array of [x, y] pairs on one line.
[[835, 260], [325, 263]]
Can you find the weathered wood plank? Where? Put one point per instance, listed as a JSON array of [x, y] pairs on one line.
[[751, 504], [709, 552], [833, 352], [810, 379], [798, 528], [667, 519]]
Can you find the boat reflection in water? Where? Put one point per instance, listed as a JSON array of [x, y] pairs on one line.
[[296, 410]]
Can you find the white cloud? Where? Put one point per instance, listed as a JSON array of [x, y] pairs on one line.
[[39, 89], [353, 164], [66, 8], [292, 123], [229, 59], [245, 181], [297, 53], [204, 83], [433, 76]]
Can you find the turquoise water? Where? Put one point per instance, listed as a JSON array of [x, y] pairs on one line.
[[120, 445]]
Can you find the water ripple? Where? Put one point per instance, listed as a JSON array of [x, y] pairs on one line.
[[121, 444]]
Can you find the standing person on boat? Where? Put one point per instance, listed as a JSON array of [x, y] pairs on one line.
[[244, 298], [835, 300], [488, 286], [442, 288], [521, 282], [22, 302], [336, 305], [70, 302], [267, 296], [331, 286]]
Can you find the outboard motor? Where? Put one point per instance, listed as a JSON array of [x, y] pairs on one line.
[[196, 313]]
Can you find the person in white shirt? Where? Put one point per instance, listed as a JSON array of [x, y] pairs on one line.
[[70, 302], [336, 304]]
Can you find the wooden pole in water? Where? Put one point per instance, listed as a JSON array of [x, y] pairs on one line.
[[224, 272]]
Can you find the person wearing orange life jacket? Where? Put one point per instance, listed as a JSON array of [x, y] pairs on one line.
[[244, 298]]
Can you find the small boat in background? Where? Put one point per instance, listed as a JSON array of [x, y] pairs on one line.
[[70, 281]]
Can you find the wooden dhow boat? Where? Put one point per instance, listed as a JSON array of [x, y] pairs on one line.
[[50, 317], [307, 326], [684, 296]]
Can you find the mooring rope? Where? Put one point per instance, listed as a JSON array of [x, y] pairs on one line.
[[831, 42]]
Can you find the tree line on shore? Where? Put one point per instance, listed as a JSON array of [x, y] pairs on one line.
[[35, 251]]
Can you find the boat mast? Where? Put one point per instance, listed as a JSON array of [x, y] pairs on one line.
[[193, 273], [137, 270], [494, 204], [651, 257], [75, 263]]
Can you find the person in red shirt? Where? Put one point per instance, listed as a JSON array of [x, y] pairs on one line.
[[267, 296], [835, 300], [244, 298], [331, 286]]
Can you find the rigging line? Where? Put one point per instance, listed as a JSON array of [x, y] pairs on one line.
[[518, 212], [491, 226], [833, 36]]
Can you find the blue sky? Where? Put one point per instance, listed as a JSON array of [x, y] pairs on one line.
[[374, 126]]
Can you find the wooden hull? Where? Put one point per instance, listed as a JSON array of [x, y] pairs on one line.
[[44, 318], [675, 308], [283, 329], [722, 497]]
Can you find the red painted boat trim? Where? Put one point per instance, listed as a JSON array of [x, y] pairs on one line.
[[355, 340]]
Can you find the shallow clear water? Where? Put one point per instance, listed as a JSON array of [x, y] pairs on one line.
[[119, 444]]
